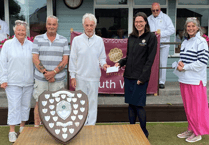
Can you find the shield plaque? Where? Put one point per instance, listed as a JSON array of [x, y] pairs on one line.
[[63, 113]]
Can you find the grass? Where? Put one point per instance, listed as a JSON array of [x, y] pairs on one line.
[[165, 134], [160, 133]]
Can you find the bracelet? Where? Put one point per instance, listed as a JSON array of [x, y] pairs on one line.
[[55, 71]]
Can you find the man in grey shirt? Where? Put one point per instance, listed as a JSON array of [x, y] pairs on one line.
[[50, 56]]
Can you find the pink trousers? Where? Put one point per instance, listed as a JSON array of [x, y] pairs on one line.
[[196, 107]]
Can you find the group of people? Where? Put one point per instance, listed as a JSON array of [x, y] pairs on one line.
[[28, 69], [49, 53]]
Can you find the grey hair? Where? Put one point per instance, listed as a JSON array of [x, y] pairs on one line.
[[91, 17], [196, 22], [23, 23], [54, 17]]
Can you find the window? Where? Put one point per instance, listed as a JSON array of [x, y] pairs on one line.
[[147, 11], [149, 2], [116, 16], [33, 12], [193, 2], [2, 17], [182, 14], [112, 23], [111, 2]]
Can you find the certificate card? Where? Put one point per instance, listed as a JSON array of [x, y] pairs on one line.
[[112, 69]]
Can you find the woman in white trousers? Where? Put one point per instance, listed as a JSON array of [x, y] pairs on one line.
[[16, 77]]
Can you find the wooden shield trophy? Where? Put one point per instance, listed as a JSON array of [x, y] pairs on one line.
[[63, 113]]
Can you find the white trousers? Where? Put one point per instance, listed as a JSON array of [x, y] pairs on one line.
[[90, 88], [164, 51], [19, 99]]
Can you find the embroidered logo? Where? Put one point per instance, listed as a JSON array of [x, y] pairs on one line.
[[143, 43]]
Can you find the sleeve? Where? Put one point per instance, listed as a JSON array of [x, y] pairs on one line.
[[35, 48], [3, 64], [152, 48], [169, 28], [73, 59], [102, 57], [202, 58], [66, 48], [123, 61]]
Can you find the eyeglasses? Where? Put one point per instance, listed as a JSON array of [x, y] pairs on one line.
[[19, 22], [191, 18], [139, 22], [155, 10]]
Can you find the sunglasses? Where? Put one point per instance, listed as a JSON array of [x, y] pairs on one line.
[[191, 18], [155, 10], [19, 22]]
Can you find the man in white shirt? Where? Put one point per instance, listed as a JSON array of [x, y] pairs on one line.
[[4, 30], [160, 21], [87, 53]]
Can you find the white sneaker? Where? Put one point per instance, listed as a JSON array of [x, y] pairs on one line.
[[12, 136], [36, 125], [185, 134], [194, 138], [21, 128]]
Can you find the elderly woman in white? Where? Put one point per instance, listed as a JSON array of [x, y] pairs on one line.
[[16, 77]]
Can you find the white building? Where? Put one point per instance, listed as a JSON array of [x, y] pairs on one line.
[[111, 15]]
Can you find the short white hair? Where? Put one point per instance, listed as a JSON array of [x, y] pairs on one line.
[[54, 17], [22, 23], [91, 17]]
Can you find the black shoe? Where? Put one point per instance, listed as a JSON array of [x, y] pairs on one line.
[[161, 86]]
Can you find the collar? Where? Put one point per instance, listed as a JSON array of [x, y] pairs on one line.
[[45, 36], [197, 35], [15, 39], [87, 37], [159, 16]]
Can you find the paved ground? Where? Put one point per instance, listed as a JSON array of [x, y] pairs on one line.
[[169, 95]]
